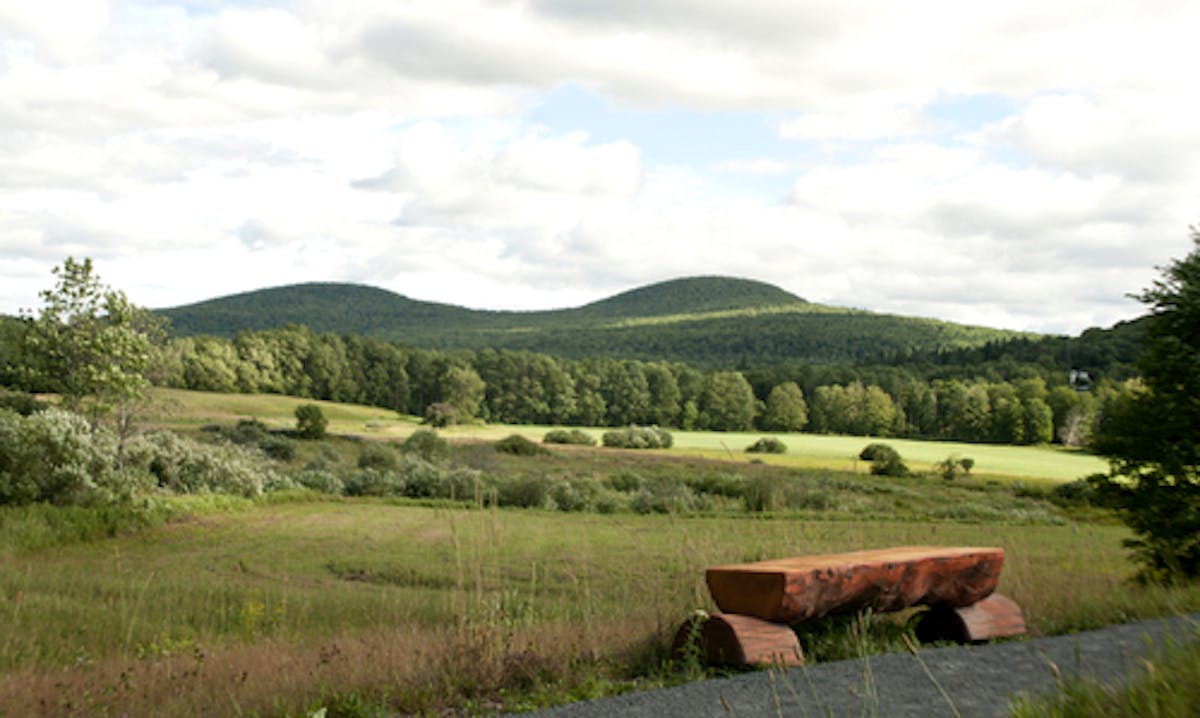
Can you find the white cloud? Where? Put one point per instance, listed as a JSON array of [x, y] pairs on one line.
[[241, 145]]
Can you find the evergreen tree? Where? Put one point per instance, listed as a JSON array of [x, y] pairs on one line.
[[1152, 438]]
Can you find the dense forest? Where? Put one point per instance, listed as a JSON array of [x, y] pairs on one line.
[[708, 322]]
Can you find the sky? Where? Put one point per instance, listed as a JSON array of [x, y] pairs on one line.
[[1024, 165]]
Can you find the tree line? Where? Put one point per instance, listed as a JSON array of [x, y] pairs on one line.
[[994, 400], [522, 387]]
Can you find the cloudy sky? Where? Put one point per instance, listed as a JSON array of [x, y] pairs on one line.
[[1023, 164]]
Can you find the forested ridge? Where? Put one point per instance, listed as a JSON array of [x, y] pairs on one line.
[[737, 362], [709, 322]]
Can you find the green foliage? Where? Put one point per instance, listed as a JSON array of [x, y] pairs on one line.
[[574, 437], [440, 414], [785, 409], [323, 480], [519, 446], [638, 437], [21, 402], [1152, 437], [279, 448], [310, 422], [858, 409], [885, 460], [182, 466], [372, 482], [36, 526], [1080, 492], [463, 389], [706, 321], [524, 491], [55, 457], [728, 402], [88, 343], [426, 444], [252, 432], [378, 456], [951, 467], [767, 445]]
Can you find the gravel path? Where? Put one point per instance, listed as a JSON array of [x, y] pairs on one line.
[[977, 680]]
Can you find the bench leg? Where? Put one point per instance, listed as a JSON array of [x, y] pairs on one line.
[[730, 639], [996, 616]]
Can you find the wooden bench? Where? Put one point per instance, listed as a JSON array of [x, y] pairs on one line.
[[760, 602]]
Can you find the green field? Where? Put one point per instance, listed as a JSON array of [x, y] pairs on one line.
[[300, 601], [178, 408], [279, 607]]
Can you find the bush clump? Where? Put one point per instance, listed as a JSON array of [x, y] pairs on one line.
[[519, 446], [380, 457], [279, 448], [573, 437], [885, 461], [310, 422], [639, 437], [527, 492], [951, 467], [55, 457], [767, 445], [1079, 492], [183, 466], [426, 444]]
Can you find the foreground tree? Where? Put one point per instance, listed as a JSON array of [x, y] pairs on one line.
[[1152, 437], [90, 344]]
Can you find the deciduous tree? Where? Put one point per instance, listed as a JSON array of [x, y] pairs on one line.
[[89, 343]]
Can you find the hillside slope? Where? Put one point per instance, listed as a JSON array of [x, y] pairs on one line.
[[707, 321]]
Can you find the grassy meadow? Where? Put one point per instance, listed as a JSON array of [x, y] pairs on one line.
[[176, 408], [299, 601]]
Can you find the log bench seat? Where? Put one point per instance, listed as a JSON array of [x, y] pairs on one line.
[[758, 600]]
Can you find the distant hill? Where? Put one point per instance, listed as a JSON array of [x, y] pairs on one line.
[[706, 321]]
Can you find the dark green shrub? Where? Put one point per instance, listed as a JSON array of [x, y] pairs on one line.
[[327, 482], [1079, 492], [626, 481], [638, 437], [378, 456], [574, 437], [21, 402], [885, 461], [767, 445], [729, 485], [440, 415], [426, 444], [279, 448], [574, 494], [370, 482], [951, 467], [520, 446], [326, 459], [247, 431], [665, 495], [310, 422], [524, 491]]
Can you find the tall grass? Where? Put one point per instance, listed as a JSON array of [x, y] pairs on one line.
[[1167, 686], [287, 606]]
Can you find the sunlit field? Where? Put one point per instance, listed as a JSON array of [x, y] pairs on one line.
[[183, 409]]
